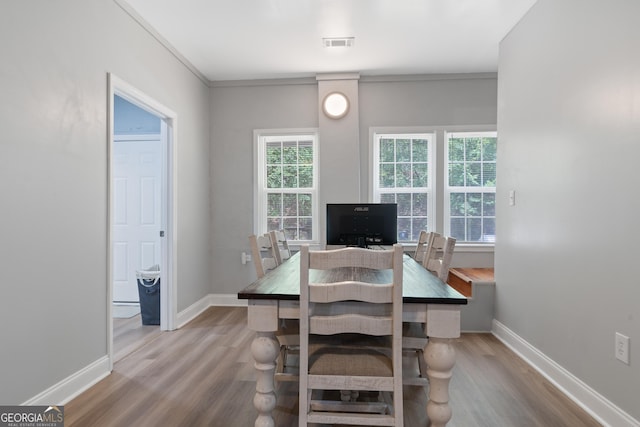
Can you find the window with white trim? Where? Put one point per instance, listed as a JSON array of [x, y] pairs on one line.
[[287, 189], [442, 181], [402, 174], [470, 192]]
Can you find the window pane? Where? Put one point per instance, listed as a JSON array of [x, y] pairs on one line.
[[305, 152], [290, 177], [418, 224], [456, 150], [403, 175], [305, 176], [458, 229], [474, 204], [473, 149], [404, 204], [387, 151], [420, 150], [420, 204], [457, 207], [290, 204], [420, 174], [388, 198], [474, 229], [274, 224], [404, 229], [291, 227], [291, 234], [304, 204], [489, 148], [489, 230], [290, 152], [473, 175], [387, 176], [403, 150], [489, 175], [274, 153], [274, 177], [456, 174], [489, 204], [274, 204], [305, 229]]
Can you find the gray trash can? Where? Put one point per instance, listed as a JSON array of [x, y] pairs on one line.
[[149, 293]]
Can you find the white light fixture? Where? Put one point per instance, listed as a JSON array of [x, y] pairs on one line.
[[338, 41], [335, 105]]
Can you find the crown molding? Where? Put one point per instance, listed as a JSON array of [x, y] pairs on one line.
[[164, 42]]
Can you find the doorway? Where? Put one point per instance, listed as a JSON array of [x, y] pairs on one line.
[[141, 211]]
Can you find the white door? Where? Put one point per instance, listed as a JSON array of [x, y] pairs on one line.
[[137, 190]]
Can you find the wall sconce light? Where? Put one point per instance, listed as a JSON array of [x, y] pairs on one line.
[[335, 105]]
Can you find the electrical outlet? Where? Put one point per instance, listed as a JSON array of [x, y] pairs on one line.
[[622, 348]]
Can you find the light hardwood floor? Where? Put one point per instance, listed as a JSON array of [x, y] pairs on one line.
[[203, 375], [130, 334]]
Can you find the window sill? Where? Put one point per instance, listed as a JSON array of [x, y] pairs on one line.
[[460, 247]]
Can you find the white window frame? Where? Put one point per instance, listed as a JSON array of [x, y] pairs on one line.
[[438, 214], [448, 190], [261, 137], [377, 191]]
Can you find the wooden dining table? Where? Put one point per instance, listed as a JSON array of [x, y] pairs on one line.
[[426, 300]]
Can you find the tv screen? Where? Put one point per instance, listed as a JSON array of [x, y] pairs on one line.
[[362, 224]]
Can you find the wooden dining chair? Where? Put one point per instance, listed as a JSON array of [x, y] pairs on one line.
[[424, 239], [289, 332], [280, 245], [437, 259], [439, 253], [350, 339], [288, 335], [262, 253]]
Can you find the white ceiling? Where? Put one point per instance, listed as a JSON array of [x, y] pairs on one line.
[[262, 39]]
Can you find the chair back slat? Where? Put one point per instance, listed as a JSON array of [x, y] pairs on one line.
[[424, 240], [280, 245], [262, 253], [438, 256]]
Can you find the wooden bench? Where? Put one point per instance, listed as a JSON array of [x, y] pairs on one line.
[[462, 279], [478, 285]]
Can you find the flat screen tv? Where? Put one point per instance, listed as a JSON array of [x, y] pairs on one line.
[[362, 224]]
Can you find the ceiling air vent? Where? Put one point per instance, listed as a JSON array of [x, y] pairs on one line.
[[338, 42]]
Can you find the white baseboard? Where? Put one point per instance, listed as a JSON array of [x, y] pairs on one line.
[[211, 300], [227, 300], [73, 385], [193, 311], [587, 398]]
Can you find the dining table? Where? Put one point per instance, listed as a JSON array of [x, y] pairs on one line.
[[425, 299]]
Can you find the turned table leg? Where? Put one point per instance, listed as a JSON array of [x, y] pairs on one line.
[[440, 356], [264, 349]]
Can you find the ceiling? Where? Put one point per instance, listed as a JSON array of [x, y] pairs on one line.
[[265, 39]]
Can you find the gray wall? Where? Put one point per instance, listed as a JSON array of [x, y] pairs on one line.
[[569, 126], [53, 163], [240, 107], [236, 111]]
